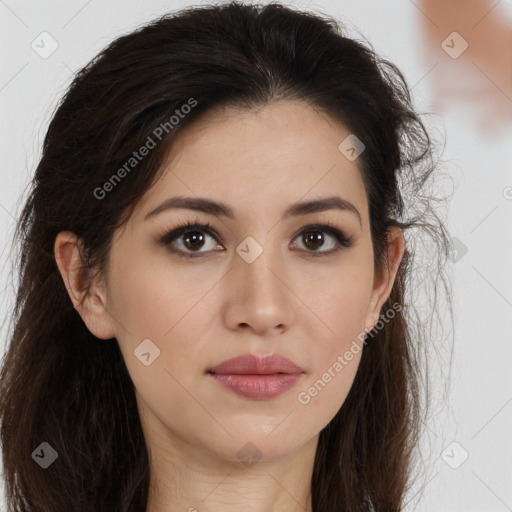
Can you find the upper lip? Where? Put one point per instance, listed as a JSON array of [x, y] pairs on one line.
[[250, 364]]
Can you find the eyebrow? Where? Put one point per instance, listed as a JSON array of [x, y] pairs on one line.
[[218, 209]]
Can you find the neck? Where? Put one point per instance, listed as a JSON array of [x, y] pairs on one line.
[[185, 478]]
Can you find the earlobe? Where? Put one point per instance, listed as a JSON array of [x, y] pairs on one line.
[[87, 292], [383, 283]]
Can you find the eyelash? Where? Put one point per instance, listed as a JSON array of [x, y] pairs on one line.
[[186, 227]]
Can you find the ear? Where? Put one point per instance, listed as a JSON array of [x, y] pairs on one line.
[[87, 292], [385, 278]]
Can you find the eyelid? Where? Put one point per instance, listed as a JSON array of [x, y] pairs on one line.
[[185, 227], [343, 241]]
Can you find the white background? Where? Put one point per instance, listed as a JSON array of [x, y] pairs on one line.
[[477, 413]]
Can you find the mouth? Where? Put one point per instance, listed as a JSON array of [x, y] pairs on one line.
[[257, 387], [255, 377], [250, 364]]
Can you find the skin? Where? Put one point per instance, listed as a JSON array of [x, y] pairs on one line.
[[202, 311]]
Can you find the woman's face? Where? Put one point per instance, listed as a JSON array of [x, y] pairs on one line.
[[260, 282]]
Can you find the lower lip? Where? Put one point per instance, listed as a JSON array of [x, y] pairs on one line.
[[258, 387]]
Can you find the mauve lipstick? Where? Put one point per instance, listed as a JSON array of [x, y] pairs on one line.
[[256, 377]]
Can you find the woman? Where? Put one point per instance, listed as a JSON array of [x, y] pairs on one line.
[[211, 312]]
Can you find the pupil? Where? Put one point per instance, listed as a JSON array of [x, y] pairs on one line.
[[194, 237], [314, 239]]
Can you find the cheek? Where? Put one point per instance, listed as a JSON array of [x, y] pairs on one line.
[[166, 306], [339, 299], [160, 309], [322, 396], [148, 298], [336, 353], [341, 309]]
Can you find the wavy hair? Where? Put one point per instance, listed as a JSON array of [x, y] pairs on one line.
[[59, 384]]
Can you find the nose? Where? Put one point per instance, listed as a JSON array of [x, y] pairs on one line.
[[259, 296]]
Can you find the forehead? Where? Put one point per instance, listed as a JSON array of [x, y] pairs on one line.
[[260, 160]]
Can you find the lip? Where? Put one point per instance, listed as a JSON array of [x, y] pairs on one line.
[[257, 377], [250, 364]]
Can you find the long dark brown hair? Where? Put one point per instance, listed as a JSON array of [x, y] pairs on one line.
[[62, 386]]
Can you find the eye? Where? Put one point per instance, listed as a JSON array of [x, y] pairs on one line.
[[313, 237], [192, 236]]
